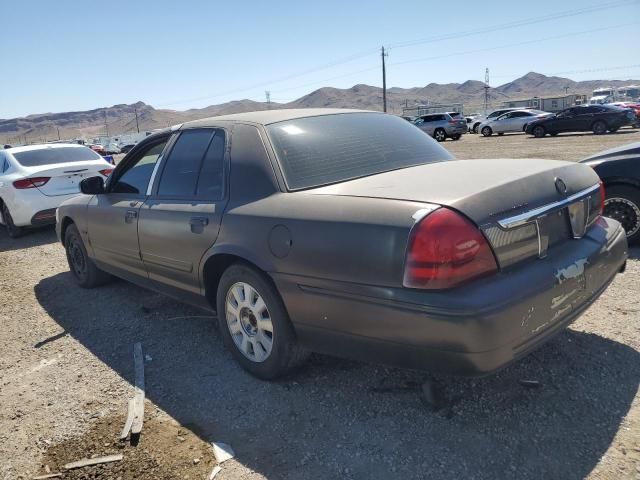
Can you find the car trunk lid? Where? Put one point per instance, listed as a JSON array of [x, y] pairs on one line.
[[65, 178], [490, 192]]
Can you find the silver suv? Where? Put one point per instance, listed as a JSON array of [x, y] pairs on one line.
[[442, 126]]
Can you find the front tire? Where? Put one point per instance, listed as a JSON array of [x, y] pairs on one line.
[[12, 230], [599, 127], [623, 204], [440, 135], [85, 272], [255, 325], [486, 131]]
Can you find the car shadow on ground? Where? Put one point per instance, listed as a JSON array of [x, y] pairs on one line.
[[32, 238], [335, 414]]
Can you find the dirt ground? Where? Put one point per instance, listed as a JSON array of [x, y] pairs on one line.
[[66, 373]]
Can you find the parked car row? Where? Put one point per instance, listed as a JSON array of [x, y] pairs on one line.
[[598, 119], [272, 212]]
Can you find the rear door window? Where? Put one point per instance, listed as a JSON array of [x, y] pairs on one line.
[[194, 167]]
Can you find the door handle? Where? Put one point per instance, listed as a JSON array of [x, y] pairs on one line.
[[130, 215], [198, 223]]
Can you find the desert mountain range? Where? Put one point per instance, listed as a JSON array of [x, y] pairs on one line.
[[121, 118]]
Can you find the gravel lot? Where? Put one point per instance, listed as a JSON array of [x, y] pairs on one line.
[[66, 373]]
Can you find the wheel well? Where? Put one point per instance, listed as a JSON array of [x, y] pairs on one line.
[[619, 183], [66, 221], [213, 270]]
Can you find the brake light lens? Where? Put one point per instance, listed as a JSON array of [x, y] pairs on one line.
[[106, 172], [445, 250], [33, 182]]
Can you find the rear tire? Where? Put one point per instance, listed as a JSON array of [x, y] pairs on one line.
[[475, 128], [248, 304], [486, 131], [12, 230], [85, 272], [599, 127], [440, 135], [622, 203], [539, 131]]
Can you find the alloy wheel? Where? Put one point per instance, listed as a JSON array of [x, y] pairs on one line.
[[624, 211], [440, 136], [249, 322]]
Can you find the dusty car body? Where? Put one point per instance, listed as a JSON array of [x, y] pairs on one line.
[[351, 233]]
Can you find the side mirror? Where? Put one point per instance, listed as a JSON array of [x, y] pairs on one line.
[[92, 186]]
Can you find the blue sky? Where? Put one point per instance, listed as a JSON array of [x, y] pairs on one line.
[[76, 55]]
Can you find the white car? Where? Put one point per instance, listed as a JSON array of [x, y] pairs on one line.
[[36, 179], [514, 121]]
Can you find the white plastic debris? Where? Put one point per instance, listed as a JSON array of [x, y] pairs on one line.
[[148, 358], [216, 470], [222, 452]]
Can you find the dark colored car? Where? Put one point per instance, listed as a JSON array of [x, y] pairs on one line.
[[127, 148], [619, 169], [350, 233], [595, 118]]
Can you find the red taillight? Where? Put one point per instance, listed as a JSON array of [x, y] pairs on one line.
[[602, 197], [30, 182], [445, 249], [106, 172]]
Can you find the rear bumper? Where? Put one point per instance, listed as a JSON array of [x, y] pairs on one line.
[[470, 330], [44, 217], [29, 205]]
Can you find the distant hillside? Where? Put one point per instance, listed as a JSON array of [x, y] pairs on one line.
[[121, 118]]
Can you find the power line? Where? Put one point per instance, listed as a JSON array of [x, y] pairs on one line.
[[509, 45], [513, 24], [362, 54]]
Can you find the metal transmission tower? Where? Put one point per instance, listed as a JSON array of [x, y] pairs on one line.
[[267, 94], [384, 81], [486, 90]]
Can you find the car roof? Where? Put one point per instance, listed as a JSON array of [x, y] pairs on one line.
[[43, 146], [266, 117]]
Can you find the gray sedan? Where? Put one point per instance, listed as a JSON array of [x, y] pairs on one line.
[[514, 121], [350, 233]]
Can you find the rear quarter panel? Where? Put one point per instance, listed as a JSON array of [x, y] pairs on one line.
[[351, 239]]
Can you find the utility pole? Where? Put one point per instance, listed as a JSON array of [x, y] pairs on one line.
[[486, 91], [137, 125], [384, 81], [267, 94], [106, 125], [58, 128]]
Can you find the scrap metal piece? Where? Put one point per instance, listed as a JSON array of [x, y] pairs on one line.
[[138, 399], [48, 475], [93, 461]]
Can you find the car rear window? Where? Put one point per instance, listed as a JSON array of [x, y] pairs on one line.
[[316, 151], [53, 155]]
